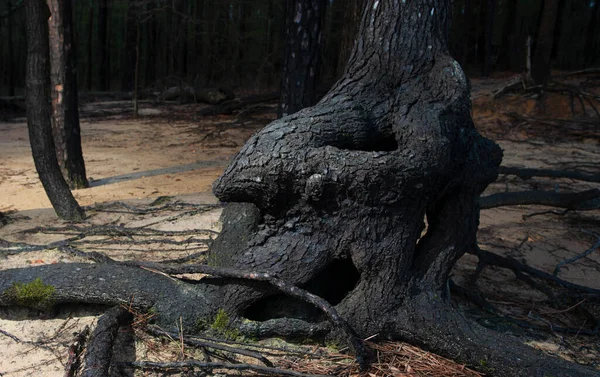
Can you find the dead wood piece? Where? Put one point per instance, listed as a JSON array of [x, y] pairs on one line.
[[362, 355], [74, 360], [586, 200], [99, 351], [526, 173], [230, 106], [206, 344], [193, 364]]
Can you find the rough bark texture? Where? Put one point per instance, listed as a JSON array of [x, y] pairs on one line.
[[65, 106], [38, 113], [540, 68], [302, 59]]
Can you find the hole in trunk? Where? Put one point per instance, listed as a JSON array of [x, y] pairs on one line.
[[333, 283]]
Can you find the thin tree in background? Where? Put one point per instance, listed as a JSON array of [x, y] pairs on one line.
[[102, 57], [490, 16], [302, 57], [540, 64], [11, 69], [37, 100], [591, 36], [65, 106]]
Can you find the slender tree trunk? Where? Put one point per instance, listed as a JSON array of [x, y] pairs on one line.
[[592, 41], [102, 58], [302, 59], [11, 65], [65, 103], [508, 31], [489, 37], [127, 67], [540, 64], [90, 43], [38, 112], [136, 81]]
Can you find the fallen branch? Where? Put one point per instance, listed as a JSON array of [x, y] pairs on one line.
[[586, 200], [206, 344], [99, 351], [209, 367], [491, 259], [526, 173]]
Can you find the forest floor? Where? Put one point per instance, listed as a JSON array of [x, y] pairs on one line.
[[172, 153]]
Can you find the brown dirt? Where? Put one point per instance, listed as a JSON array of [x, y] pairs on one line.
[[171, 152]]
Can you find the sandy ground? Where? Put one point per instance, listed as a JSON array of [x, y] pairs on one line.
[[170, 152]]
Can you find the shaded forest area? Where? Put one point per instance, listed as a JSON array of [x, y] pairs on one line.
[[238, 44]]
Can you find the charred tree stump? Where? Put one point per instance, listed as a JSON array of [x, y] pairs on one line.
[[336, 197]]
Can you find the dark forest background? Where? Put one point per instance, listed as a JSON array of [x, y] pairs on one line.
[[238, 44]]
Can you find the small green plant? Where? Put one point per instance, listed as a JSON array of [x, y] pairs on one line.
[[222, 326], [35, 294]]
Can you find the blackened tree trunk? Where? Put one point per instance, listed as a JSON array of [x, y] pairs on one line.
[[302, 54], [65, 106], [351, 21], [338, 193], [540, 65], [102, 58], [38, 112]]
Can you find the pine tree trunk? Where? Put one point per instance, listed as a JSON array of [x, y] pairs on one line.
[[302, 59], [65, 103], [38, 112], [102, 58], [540, 65], [10, 58]]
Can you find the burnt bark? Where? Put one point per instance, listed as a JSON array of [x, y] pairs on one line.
[[302, 54], [65, 107], [38, 113], [339, 191], [99, 351]]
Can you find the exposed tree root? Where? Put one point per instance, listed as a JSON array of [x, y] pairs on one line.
[[527, 173], [207, 344], [487, 258], [98, 355]]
